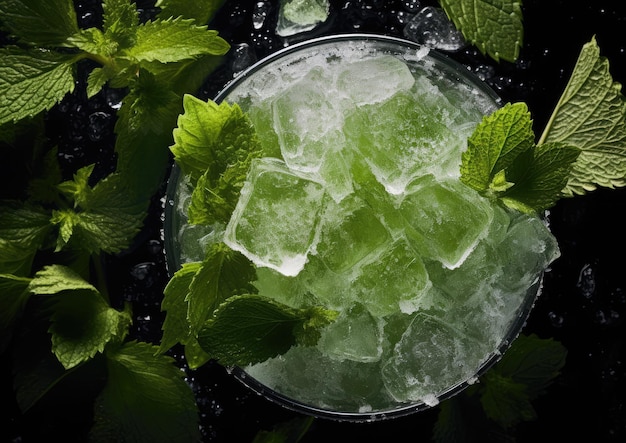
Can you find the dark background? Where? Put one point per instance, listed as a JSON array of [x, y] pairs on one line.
[[583, 304]]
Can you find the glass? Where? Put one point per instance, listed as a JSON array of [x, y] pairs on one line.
[[468, 99]]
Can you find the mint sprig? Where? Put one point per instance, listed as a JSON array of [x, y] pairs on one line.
[[503, 162]]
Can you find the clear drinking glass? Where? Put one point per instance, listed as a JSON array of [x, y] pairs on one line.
[[463, 318]]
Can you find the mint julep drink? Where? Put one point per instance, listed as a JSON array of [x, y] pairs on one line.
[[361, 211]]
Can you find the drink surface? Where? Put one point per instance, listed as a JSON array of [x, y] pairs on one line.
[[362, 212]]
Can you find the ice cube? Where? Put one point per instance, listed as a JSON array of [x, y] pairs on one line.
[[350, 231], [395, 281], [276, 221], [445, 219], [400, 140], [374, 80], [297, 16], [430, 357], [355, 335], [307, 122]]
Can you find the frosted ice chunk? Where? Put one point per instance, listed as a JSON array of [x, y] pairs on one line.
[[306, 122], [354, 335], [432, 27], [445, 219], [400, 140], [296, 16], [350, 231], [396, 280], [430, 357], [275, 223], [323, 383], [374, 80]]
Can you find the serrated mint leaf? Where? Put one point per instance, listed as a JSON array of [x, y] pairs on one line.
[[83, 323], [32, 81], [539, 177], [78, 189], [96, 81], [249, 328], [41, 22], [54, 279], [495, 27], [201, 12], [23, 229], [215, 145], [173, 40], [495, 144], [223, 274], [176, 326], [93, 41], [120, 22], [13, 297], [109, 216], [523, 373], [145, 399], [591, 115], [505, 401]]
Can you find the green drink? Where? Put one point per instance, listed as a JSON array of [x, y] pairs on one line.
[[359, 209]]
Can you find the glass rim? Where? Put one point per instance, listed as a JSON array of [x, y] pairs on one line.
[[402, 409]]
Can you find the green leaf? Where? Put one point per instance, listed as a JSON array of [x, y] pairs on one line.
[[502, 161], [249, 328], [23, 228], [539, 178], [591, 115], [494, 26], [93, 41], [523, 373], [176, 326], [13, 297], [215, 145], [495, 144], [202, 12], [41, 22], [54, 279], [78, 189], [173, 40], [145, 399], [110, 216], [32, 81], [223, 274], [82, 322], [291, 431], [120, 22]]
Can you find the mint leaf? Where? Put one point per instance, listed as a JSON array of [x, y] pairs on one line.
[[494, 26], [215, 145], [23, 229], [32, 81], [524, 372], [41, 22], [202, 12], [501, 161], [539, 178], [55, 279], [176, 327], [495, 144], [173, 40], [82, 322], [110, 216], [13, 297], [249, 328], [120, 22], [590, 115], [223, 274], [145, 399]]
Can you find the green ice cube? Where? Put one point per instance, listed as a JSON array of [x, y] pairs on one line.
[[275, 223], [445, 219], [354, 335], [350, 231], [394, 282]]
